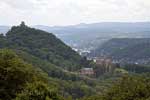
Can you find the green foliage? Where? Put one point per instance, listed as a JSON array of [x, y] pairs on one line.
[[51, 69], [19, 80], [38, 91], [130, 88], [134, 68], [49, 55], [13, 74], [127, 88]]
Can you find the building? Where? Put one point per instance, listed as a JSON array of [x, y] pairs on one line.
[[87, 71], [102, 60], [103, 65]]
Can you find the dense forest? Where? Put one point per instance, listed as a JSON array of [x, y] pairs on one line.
[[36, 65], [128, 50]]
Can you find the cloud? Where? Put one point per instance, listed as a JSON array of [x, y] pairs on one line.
[[64, 12]]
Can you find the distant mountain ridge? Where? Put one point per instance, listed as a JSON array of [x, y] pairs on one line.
[[89, 36], [97, 33], [100, 27], [4, 29]]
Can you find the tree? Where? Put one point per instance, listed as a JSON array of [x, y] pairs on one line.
[[18, 80], [127, 88]]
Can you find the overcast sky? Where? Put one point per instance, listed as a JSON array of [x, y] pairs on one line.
[[69, 12]]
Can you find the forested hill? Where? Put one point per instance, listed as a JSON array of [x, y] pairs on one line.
[[129, 49], [50, 58], [43, 45]]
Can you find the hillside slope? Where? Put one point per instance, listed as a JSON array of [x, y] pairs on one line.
[[52, 57], [91, 35], [43, 45], [126, 49]]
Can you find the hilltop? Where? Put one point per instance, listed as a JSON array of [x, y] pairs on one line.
[[43, 45]]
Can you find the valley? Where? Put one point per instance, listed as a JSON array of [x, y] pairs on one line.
[[74, 50], [58, 72]]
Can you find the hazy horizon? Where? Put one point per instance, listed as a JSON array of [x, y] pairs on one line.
[[74, 24], [72, 12]]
